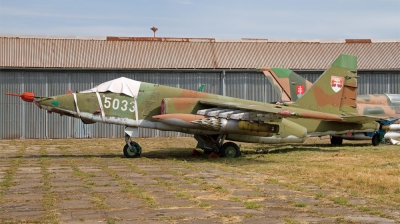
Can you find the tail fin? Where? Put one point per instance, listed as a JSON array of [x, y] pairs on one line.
[[289, 85], [335, 91]]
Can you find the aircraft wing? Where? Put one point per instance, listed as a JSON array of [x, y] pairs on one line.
[[282, 112], [277, 111], [237, 105]]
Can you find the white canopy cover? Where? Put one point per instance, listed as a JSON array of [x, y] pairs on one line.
[[123, 85]]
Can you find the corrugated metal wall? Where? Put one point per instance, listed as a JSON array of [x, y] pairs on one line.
[[20, 119], [296, 54]]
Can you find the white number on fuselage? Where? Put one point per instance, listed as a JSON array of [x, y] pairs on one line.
[[117, 105]]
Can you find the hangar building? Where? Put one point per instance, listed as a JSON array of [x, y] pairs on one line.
[[52, 65]]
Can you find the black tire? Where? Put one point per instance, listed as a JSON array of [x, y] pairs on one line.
[[230, 150], [134, 152], [336, 140], [376, 139], [207, 151]]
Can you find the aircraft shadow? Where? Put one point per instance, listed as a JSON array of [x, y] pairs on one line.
[[65, 156], [185, 153], [326, 148], [286, 149]]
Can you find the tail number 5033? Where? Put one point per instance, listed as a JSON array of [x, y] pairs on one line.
[[117, 104]]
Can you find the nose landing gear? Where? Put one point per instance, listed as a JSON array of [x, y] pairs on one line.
[[131, 149]]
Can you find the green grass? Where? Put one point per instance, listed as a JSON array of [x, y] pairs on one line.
[[13, 165], [371, 211], [331, 175], [273, 181], [340, 200], [203, 204], [301, 205], [289, 221], [252, 205], [182, 195], [49, 199], [319, 195], [236, 199]]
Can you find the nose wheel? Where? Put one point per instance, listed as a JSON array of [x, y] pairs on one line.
[[132, 150]]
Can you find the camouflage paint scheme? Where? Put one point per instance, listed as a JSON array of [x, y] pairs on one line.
[[215, 118], [385, 106], [284, 82]]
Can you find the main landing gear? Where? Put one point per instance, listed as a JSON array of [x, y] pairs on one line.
[[336, 140], [377, 139], [215, 143]]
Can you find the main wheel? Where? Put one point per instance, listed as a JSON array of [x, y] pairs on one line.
[[134, 152], [376, 139], [230, 150], [336, 140]]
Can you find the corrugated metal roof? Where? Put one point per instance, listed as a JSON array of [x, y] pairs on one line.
[[189, 53]]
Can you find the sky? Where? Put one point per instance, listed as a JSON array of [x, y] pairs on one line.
[[269, 19]]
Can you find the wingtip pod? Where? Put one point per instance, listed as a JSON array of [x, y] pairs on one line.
[[25, 96], [346, 61]]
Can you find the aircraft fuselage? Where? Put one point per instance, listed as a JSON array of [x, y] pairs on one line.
[[139, 110]]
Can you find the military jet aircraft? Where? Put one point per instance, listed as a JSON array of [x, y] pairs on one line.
[[290, 86], [213, 119]]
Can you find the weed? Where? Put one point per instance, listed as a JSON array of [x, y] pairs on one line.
[[377, 212], [340, 200], [236, 199], [203, 204], [247, 215], [354, 193], [289, 221], [9, 173], [182, 195], [273, 181], [218, 188], [110, 221], [371, 211], [90, 183], [49, 198], [98, 201], [300, 205], [163, 182], [252, 205], [340, 219]]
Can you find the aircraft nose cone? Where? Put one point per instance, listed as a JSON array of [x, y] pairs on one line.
[[64, 102], [46, 102]]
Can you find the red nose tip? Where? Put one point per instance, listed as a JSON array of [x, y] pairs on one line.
[[26, 96]]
